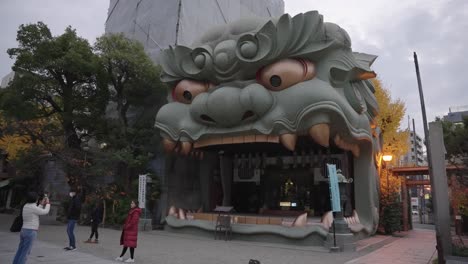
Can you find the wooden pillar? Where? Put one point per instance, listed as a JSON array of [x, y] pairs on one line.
[[404, 200]]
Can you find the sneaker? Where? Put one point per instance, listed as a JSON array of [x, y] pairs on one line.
[[130, 260], [119, 259], [68, 248], [89, 241], [96, 241], [72, 249]]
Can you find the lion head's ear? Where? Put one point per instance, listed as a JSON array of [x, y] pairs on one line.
[[365, 75], [340, 75], [366, 60], [348, 67]]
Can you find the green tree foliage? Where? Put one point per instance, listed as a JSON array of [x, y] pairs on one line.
[[136, 93], [55, 99], [456, 141], [29, 164], [391, 214], [56, 77], [67, 94]]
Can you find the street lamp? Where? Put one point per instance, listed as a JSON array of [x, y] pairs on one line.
[[387, 158]]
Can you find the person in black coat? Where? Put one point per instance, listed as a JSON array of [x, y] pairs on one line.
[[96, 219], [74, 210]]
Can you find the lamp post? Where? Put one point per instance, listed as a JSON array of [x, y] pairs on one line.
[[387, 158], [85, 149]]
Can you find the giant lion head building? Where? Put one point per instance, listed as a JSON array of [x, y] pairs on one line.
[[258, 108]]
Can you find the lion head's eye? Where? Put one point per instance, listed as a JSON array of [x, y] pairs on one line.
[[186, 90], [285, 73]]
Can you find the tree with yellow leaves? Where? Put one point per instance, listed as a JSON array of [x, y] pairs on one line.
[[17, 136], [395, 143], [10, 141]]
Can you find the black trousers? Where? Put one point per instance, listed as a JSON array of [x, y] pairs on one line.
[[94, 230], [132, 252]]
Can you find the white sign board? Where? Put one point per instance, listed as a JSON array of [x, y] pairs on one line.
[[142, 191]]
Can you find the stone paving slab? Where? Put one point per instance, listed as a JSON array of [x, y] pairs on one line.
[[43, 252], [371, 241], [452, 261], [456, 260], [170, 248], [417, 247]]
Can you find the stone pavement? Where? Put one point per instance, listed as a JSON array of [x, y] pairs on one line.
[[44, 252], [418, 246], [171, 248], [456, 260]]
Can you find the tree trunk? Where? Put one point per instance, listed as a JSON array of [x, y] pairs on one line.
[[124, 175], [71, 138]]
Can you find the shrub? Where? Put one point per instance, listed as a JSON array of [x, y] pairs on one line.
[[390, 218]]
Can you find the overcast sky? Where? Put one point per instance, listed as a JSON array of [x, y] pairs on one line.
[[436, 29]]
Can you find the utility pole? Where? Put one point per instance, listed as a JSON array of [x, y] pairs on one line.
[[415, 153], [440, 250]]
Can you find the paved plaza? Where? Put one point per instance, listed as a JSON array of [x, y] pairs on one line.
[[162, 247]]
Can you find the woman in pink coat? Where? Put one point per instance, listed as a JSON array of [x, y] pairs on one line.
[[129, 236]]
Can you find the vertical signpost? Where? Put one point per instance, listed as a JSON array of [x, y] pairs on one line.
[[142, 192], [335, 197], [334, 189], [143, 182]]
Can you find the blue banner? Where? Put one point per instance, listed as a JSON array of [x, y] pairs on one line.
[[334, 189]]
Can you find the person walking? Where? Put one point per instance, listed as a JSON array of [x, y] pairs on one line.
[[129, 236], [33, 208], [96, 219], [74, 210]]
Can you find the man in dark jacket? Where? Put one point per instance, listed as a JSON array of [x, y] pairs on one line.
[[74, 209]]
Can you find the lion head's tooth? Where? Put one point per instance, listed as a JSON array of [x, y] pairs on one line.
[[355, 150], [320, 133], [288, 141], [186, 147], [169, 145]]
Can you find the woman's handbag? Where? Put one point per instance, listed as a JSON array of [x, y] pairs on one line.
[[18, 222]]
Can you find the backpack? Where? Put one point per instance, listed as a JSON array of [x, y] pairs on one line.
[[18, 222]]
